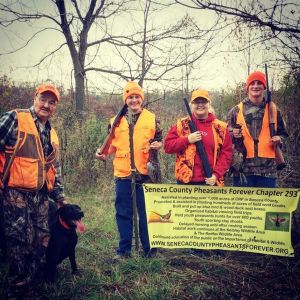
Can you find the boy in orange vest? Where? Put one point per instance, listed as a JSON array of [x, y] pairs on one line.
[[145, 129], [249, 125], [34, 174]]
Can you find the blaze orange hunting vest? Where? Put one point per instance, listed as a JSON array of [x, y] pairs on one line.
[[144, 130], [265, 148], [184, 163], [30, 170]]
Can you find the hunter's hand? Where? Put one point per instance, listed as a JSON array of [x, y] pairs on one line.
[[61, 203], [276, 140], [237, 133], [212, 180], [194, 137], [102, 157], [156, 145]]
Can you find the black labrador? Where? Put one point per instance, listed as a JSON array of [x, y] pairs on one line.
[[63, 237]]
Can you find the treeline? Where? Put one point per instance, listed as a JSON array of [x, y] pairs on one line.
[[80, 137]]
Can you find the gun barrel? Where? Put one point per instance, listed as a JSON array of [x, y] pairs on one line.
[[279, 159]]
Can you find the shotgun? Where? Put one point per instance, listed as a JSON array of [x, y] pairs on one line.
[[133, 187], [105, 146], [280, 163], [199, 144]]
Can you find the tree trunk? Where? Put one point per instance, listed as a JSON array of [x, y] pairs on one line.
[[79, 94]]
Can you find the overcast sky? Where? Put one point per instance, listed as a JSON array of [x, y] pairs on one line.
[[211, 72]]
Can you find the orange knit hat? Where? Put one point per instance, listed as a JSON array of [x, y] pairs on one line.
[[199, 93], [47, 87], [132, 88], [257, 75]]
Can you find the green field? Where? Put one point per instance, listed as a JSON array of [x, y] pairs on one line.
[[173, 274]]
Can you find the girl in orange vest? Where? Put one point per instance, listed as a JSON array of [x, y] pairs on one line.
[[215, 138], [145, 128]]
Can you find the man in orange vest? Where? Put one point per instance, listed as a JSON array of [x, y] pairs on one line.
[[215, 138], [145, 129], [29, 155], [249, 125]]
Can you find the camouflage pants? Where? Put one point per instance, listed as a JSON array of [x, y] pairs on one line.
[[26, 231]]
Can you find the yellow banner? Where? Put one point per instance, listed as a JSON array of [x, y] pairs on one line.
[[228, 218]]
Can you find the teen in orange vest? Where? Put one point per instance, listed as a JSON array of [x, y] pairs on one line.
[[33, 176], [253, 139], [215, 138], [145, 129]]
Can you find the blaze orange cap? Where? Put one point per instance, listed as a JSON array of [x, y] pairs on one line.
[[132, 88], [257, 75], [200, 94], [47, 87]]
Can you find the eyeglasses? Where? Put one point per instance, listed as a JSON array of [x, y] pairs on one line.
[[200, 101], [43, 100]]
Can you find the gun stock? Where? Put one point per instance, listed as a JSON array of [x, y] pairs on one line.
[[199, 144], [107, 141], [279, 159]]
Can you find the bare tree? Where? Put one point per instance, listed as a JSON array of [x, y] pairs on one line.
[[74, 20], [145, 52], [155, 52], [274, 23]]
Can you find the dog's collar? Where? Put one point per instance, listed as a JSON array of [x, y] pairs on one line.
[[63, 223]]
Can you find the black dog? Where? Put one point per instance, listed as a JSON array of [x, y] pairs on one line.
[[63, 238]]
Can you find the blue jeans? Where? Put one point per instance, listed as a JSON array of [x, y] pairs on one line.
[[124, 216], [255, 181]]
